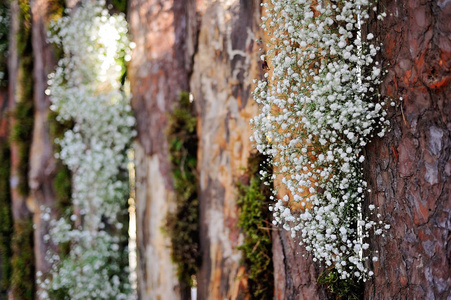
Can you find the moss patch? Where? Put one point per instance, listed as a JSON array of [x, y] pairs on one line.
[[23, 130], [183, 223], [254, 220], [341, 289], [62, 182], [22, 282], [22, 134]]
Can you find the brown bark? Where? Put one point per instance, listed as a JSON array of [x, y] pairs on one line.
[[409, 170], [159, 71], [22, 258], [19, 205], [42, 162], [295, 273], [225, 64]]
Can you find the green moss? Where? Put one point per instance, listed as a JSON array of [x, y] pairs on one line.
[[120, 5], [22, 283], [254, 220], [62, 182], [117, 6], [341, 289], [6, 218], [183, 223], [23, 129], [22, 134]]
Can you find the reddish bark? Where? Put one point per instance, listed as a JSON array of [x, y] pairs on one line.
[[409, 170]]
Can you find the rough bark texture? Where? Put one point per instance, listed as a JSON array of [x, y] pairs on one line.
[[42, 162], [224, 66], [295, 273], [410, 169], [159, 71]]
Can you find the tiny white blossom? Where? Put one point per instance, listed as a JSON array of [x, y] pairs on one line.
[[315, 124]]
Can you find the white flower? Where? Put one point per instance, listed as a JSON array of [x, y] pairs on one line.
[[318, 121], [86, 90]]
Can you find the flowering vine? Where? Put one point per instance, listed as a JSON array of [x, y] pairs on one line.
[[316, 115], [86, 91]]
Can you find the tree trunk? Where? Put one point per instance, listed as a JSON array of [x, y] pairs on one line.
[[158, 73], [22, 283], [295, 273], [409, 170], [20, 209], [42, 162], [225, 64]]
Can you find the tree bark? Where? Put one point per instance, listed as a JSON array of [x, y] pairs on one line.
[[295, 273], [409, 170], [42, 161], [159, 71], [19, 206], [225, 64], [22, 284]]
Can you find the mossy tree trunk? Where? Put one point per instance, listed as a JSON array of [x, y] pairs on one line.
[[409, 170], [20, 108]]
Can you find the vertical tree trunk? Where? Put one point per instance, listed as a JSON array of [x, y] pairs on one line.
[[295, 273], [19, 206], [159, 71], [225, 64], [409, 170], [22, 286], [42, 162]]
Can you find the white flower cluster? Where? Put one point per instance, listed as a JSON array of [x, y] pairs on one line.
[[86, 90], [316, 115]]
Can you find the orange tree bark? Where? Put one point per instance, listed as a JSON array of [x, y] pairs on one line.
[[226, 62], [409, 170]]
